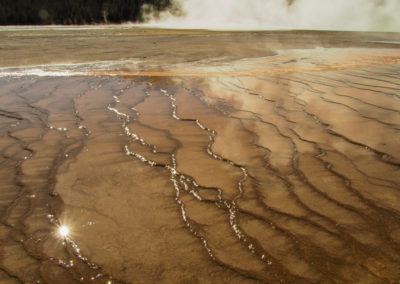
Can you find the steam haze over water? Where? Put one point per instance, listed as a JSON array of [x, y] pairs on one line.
[[354, 15]]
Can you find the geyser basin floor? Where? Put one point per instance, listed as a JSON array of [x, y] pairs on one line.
[[287, 175]]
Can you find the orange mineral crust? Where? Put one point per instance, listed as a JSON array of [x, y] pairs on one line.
[[275, 159]]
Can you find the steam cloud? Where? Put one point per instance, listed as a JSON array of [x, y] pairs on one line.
[[355, 15]]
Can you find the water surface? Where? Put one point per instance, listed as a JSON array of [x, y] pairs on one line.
[[199, 157]]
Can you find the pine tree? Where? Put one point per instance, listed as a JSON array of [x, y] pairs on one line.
[[36, 12]]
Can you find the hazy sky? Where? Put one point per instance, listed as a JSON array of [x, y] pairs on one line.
[[365, 15]]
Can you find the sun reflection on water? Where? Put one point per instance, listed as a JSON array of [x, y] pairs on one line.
[[63, 231]]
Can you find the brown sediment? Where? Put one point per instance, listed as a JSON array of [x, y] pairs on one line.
[[217, 177]]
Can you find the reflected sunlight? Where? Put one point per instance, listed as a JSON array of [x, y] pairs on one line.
[[63, 231]]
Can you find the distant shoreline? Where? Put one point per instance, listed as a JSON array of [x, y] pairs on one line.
[[148, 27]]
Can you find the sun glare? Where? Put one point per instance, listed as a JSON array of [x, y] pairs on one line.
[[63, 231]]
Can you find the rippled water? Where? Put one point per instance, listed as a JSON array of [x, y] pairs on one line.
[[232, 168]]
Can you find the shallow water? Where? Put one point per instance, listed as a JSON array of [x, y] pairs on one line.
[[233, 168]]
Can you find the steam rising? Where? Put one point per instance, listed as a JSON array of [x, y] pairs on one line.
[[355, 15]]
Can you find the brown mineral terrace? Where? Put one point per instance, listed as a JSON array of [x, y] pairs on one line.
[[165, 156]]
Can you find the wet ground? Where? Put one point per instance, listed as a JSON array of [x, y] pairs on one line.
[[199, 157]]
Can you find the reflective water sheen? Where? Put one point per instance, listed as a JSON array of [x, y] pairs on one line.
[[274, 160]]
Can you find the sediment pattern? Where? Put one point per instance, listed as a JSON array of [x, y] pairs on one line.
[[289, 178]]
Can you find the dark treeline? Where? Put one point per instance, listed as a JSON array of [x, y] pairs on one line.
[[45, 12]]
